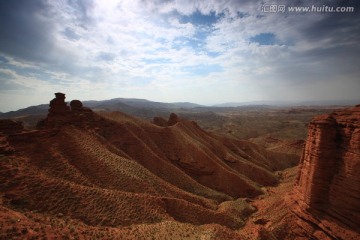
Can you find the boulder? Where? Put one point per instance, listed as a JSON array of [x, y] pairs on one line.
[[76, 105]]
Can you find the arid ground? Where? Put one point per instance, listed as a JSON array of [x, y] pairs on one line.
[[224, 174]]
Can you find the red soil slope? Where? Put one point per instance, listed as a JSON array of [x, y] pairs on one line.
[[84, 174]]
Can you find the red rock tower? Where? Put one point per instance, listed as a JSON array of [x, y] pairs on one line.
[[58, 105], [329, 182]]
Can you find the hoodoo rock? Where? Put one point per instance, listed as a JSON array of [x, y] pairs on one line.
[[58, 105], [328, 187], [60, 113]]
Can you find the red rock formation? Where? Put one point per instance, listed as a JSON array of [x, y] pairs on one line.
[[173, 119], [76, 105], [328, 185], [60, 114], [58, 105], [112, 170]]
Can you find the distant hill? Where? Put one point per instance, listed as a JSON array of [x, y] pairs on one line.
[[148, 109], [137, 107], [33, 110], [291, 103], [137, 103], [252, 103]]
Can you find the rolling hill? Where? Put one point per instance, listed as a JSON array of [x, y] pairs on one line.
[[105, 174]]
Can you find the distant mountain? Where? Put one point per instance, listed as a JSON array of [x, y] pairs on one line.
[[139, 103], [33, 110], [330, 102], [291, 103], [253, 103], [138, 107], [148, 109]]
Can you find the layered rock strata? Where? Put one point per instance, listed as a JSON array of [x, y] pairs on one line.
[[328, 186]]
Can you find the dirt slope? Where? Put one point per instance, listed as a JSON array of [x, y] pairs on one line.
[[103, 175]]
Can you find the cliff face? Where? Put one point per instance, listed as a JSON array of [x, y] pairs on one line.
[[328, 185]]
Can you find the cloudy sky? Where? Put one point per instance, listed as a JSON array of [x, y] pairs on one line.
[[207, 52]]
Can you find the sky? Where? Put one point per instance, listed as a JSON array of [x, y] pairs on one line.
[[206, 52]]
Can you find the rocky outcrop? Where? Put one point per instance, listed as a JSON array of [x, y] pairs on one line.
[[173, 119], [77, 107], [60, 113], [328, 185], [8, 126], [58, 105]]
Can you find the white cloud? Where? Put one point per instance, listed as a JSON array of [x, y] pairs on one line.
[[145, 49]]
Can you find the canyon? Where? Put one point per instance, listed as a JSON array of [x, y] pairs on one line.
[[108, 175]]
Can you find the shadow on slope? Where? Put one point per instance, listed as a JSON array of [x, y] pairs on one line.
[[114, 169]]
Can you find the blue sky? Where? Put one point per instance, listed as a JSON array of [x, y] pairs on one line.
[[207, 52]]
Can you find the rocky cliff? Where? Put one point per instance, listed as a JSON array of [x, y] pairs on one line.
[[328, 187]]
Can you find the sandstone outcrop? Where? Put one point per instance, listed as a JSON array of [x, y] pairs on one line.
[[77, 107], [328, 186], [173, 119], [58, 105], [60, 113]]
